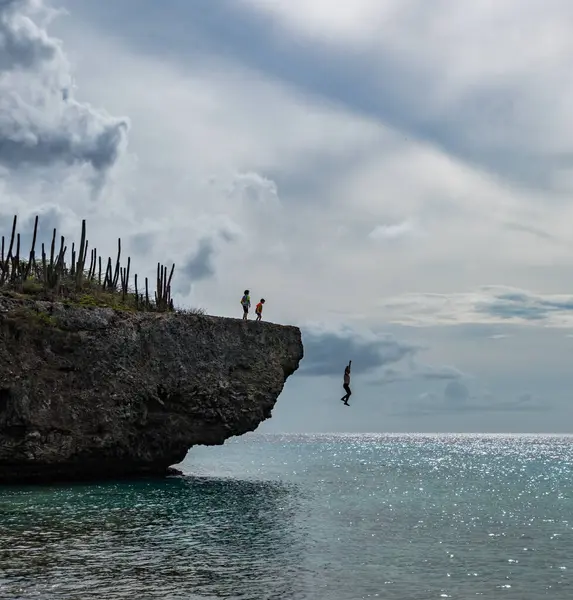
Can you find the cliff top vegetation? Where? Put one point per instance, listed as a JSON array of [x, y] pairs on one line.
[[78, 276]]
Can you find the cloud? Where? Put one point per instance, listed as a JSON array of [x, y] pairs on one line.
[[417, 371], [525, 398], [328, 351], [490, 304], [390, 375], [347, 23], [531, 230], [278, 137], [23, 43], [428, 398], [255, 190], [456, 393], [142, 242], [50, 217], [392, 232], [200, 265], [518, 305], [457, 399], [497, 112], [41, 124], [439, 373], [213, 235], [181, 176]]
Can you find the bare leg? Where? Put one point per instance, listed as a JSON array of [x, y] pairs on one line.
[[347, 395]]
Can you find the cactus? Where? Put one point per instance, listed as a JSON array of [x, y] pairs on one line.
[[79, 267], [117, 265], [31, 266], [7, 259], [60, 279]]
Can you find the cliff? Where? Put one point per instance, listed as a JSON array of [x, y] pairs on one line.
[[94, 392]]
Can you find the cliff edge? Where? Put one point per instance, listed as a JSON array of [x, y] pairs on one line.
[[90, 393]]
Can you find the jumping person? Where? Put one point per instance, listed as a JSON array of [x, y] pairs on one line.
[[246, 304], [259, 309], [346, 384]]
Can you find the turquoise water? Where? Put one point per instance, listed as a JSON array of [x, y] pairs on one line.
[[317, 517]]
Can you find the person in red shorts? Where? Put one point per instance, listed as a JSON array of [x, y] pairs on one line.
[[259, 309]]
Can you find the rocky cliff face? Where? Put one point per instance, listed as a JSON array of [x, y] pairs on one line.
[[93, 392]]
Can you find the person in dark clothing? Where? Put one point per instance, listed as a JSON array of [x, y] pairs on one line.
[[346, 384]]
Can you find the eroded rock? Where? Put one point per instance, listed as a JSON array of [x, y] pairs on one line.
[[92, 392]]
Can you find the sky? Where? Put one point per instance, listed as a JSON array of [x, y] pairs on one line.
[[392, 176]]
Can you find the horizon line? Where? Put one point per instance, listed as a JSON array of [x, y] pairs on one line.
[[413, 433]]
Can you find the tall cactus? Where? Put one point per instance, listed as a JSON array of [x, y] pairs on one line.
[[7, 259], [79, 267], [31, 266], [60, 278], [117, 265]]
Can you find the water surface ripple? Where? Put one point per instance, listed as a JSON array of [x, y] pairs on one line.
[[337, 517]]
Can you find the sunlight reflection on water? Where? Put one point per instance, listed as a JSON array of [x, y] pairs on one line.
[[292, 517]]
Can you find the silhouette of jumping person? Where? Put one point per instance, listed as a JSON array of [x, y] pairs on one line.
[[346, 384]]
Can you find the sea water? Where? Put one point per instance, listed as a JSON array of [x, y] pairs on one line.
[[337, 517]]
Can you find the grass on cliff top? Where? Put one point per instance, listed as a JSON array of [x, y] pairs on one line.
[[83, 280], [89, 295]]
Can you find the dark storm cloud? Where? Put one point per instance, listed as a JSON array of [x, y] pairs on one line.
[[327, 352], [40, 123]]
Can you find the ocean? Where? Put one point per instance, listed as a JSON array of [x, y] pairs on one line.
[[333, 517]]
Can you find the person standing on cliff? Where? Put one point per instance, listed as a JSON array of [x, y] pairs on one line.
[[346, 384], [246, 303], [259, 309]]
